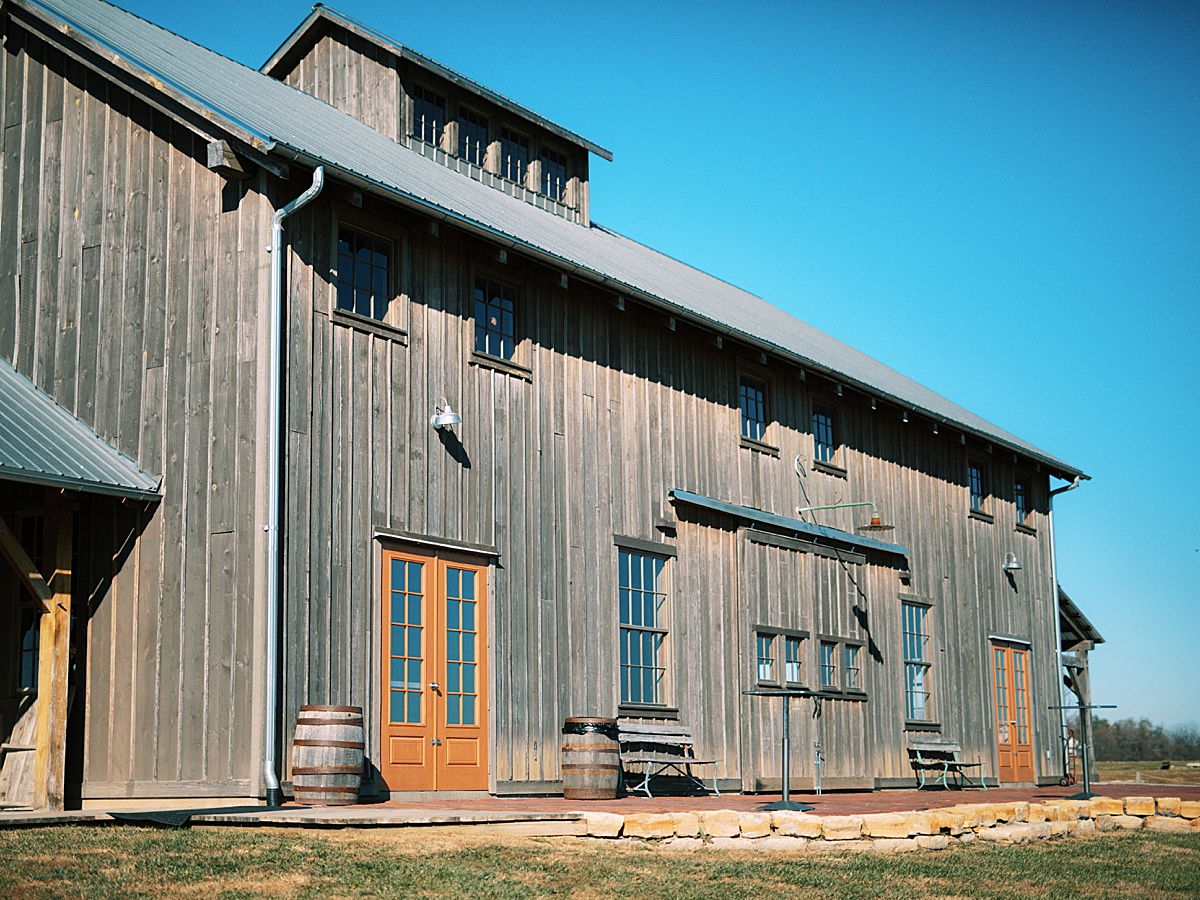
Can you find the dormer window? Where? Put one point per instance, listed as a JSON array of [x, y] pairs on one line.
[[514, 156], [472, 137], [554, 175], [429, 116]]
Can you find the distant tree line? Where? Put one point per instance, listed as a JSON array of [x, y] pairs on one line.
[[1138, 740]]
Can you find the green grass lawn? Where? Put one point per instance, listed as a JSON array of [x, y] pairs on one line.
[[214, 864]]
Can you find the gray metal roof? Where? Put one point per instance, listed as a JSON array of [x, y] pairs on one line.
[[817, 533], [42, 443], [1074, 624], [274, 117], [322, 13]]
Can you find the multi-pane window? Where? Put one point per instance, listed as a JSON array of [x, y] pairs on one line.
[[851, 667], [514, 155], [752, 398], [916, 660], [494, 318], [429, 116], [363, 279], [472, 137], [554, 175], [824, 420], [462, 638], [766, 657], [828, 664], [32, 533], [977, 483], [1021, 501], [407, 655], [793, 664], [643, 630]]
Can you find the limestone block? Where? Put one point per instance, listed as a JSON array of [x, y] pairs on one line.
[[1086, 827], [1189, 809], [602, 824], [1060, 827], [841, 828], [1075, 809], [650, 825], [1037, 813], [684, 843], [887, 825], [851, 846], [1128, 823], [1051, 812], [720, 823], [687, 824], [968, 837], [780, 843], [796, 824], [989, 815], [932, 841], [1105, 806], [970, 814], [895, 845], [947, 821], [1016, 833], [754, 824], [1167, 806], [1139, 806], [1020, 811], [728, 843], [921, 822], [1169, 824]]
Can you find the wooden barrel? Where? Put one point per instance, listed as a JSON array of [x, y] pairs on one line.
[[591, 767], [327, 755]]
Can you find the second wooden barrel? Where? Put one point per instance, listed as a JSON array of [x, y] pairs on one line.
[[591, 765], [327, 755]]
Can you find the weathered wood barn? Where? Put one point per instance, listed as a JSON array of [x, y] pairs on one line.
[[325, 389]]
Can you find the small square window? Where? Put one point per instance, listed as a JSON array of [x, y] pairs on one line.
[[977, 483], [472, 137], [828, 664], [851, 668], [752, 398], [554, 175], [364, 274], [1021, 502], [514, 156], [766, 657], [429, 116], [495, 307], [793, 660], [824, 426]]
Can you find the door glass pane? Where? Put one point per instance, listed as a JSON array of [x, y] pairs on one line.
[[460, 637], [406, 650]]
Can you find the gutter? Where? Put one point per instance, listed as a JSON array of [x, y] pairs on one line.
[[1062, 713], [271, 706]]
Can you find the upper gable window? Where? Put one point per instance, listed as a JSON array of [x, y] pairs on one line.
[[554, 175], [824, 425], [494, 318], [977, 483], [472, 137], [752, 398], [364, 274], [514, 155], [1021, 501], [429, 116]]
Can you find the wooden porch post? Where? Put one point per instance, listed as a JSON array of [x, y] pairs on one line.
[[54, 658]]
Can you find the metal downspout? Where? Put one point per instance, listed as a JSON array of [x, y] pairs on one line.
[[271, 706], [1058, 667]]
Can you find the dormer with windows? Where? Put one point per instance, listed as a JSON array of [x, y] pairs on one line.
[[438, 113]]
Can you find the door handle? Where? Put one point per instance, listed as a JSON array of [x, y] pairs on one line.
[[433, 685]]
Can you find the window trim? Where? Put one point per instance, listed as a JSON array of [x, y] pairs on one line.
[[926, 662], [467, 112], [786, 634], [982, 511], [517, 364], [506, 133], [418, 92], [750, 381], [835, 464]]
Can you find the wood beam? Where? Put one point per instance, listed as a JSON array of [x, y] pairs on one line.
[[54, 659], [24, 567]]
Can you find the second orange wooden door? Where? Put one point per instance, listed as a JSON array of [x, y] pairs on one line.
[[434, 715], [1014, 739]]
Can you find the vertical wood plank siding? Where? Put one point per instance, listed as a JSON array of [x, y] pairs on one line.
[[128, 294]]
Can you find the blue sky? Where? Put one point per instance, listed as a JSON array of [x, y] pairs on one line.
[[1001, 200]]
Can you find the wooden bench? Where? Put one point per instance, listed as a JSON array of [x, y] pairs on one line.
[[660, 749], [940, 755]]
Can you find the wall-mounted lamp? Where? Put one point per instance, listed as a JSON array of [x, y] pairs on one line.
[[444, 416], [1010, 564]]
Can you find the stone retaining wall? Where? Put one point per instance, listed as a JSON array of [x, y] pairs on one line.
[[1006, 823]]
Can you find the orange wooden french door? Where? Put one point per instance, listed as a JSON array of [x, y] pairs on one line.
[[434, 716], [1014, 739]]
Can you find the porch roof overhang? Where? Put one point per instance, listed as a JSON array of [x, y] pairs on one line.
[[42, 443], [1075, 625], [817, 534]]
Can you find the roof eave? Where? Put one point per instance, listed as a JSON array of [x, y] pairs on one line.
[[83, 485]]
